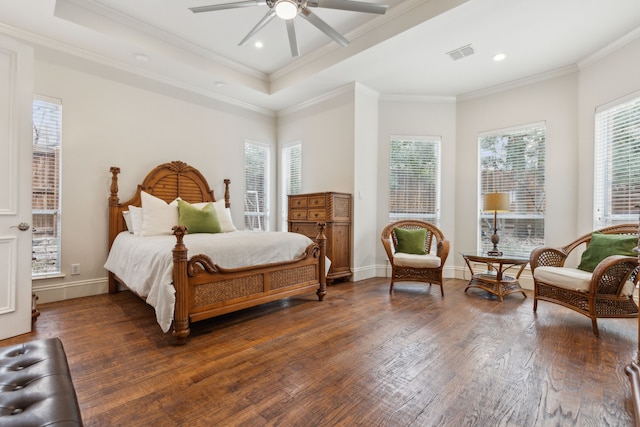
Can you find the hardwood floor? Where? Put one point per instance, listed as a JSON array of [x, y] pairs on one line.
[[360, 357]]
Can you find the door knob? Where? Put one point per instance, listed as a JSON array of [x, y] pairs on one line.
[[23, 226]]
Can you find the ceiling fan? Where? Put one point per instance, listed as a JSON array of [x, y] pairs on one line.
[[289, 9]]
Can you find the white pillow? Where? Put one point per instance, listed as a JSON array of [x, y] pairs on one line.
[[158, 216], [127, 221], [224, 217], [135, 215]]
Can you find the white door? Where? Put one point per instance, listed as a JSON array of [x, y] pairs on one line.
[[16, 98]]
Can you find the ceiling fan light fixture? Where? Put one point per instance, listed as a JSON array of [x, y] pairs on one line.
[[286, 9]]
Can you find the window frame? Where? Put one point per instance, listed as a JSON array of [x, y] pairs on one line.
[[527, 216], [38, 191], [286, 158], [607, 167], [432, 142], [262, 213]]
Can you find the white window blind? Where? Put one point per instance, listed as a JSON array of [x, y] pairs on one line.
[[293, 168], [256, 176], [513, 161], [46, 172], [292, 175], [617, 163], [414, 179]]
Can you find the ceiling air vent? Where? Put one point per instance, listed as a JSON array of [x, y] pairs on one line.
[[461, 52]]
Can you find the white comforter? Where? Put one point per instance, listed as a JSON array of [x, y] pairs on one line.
[[145, 264]]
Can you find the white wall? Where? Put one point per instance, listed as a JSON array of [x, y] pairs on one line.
[[553, 101], [325, 128], [604, 77], [410, 116], [107, 123], [365, 191]]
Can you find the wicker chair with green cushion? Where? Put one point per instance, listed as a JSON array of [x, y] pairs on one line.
[[602, 285], [417, 251]]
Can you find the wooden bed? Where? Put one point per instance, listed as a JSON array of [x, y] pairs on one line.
[[202, 288]]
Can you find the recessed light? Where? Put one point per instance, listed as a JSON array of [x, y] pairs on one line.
[[258, 44], [220, 84], [499, 56], [141, 57]]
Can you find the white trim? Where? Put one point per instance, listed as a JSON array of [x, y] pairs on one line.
[[519, 83], [609, 49], [126, 68], [623, 100], [525, 126], [69, 290], [319, 99]]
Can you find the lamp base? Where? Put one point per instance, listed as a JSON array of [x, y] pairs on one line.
[[494, 252]]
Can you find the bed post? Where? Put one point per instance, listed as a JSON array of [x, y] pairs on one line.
[[114, 201], [226, 193], [180, 282], [321, 239]]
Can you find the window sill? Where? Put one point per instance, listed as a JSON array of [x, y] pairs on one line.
[[48, 276]]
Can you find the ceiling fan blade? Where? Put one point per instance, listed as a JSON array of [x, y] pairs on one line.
[[260, 25], [293, 39], [355, 6], [224, 6], [323, 26]]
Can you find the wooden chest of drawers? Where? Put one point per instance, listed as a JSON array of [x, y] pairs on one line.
[[306, 210]]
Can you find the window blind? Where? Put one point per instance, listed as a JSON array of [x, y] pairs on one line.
[[256, 175], [513, 160], [617, 163], [46, 201], [414, 179], [292, 175], [293, 168]]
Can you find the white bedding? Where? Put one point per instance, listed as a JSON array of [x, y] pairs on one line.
[[145, 264]]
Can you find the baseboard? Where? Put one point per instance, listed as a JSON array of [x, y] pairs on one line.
[[69, 290], [455, 272]]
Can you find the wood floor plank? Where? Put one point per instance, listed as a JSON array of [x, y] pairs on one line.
[[360, 357]]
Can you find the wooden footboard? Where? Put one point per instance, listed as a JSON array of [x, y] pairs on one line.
[[205, 290]]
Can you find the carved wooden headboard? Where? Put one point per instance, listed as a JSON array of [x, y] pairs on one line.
[[166, 181]]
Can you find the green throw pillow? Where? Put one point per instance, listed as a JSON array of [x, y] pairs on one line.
[[196, 220], [411, 241], [603, 245]]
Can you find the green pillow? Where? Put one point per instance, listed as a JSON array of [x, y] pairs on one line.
[[603, 245], [411, 241], [196, 220]]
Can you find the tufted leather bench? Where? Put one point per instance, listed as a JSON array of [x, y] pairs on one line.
[[36, 387]]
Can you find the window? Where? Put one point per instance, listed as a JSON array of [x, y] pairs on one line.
[[256, 176], [47, 147], [617, 163], [513, 161], [292, 175], [414, 179]]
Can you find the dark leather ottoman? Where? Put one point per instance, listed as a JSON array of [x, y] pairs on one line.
[[36, 387]]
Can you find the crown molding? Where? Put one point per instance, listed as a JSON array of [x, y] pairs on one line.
[[46, 42], [348, 88], [609, 49], [103, 18], [519, 83], [418, 98]]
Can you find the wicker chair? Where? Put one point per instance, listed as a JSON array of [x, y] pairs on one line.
[[607, 292], [416, 268]]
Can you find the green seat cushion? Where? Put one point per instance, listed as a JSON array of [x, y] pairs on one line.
[[411, 241], [204, 220], [604, 245]]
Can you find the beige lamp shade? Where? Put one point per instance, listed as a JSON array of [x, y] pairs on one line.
[[496, 202]]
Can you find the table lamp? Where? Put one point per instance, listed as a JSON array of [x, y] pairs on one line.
[[496, 202]]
